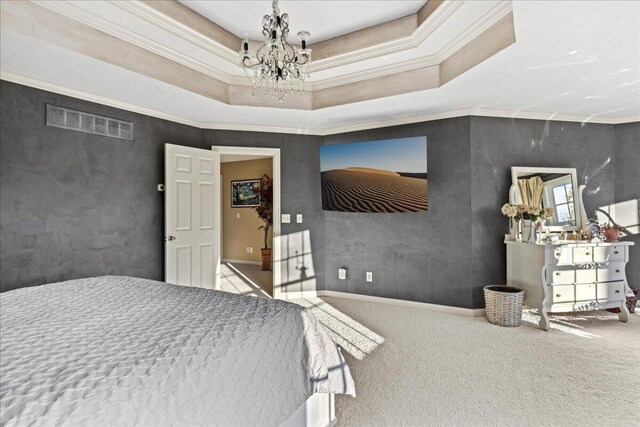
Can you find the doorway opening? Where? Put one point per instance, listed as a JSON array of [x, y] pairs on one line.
[[247, 254]]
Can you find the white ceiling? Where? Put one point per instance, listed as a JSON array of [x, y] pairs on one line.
[[323, 19], [577, 59]]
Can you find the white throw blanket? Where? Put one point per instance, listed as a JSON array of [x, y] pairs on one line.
[[124, 351]]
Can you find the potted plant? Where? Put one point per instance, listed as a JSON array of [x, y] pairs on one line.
[[265, 212]]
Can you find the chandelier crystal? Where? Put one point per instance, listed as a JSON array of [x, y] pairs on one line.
[[278, 67]]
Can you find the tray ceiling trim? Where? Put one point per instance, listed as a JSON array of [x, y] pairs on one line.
[[479, 112], [56, 20]]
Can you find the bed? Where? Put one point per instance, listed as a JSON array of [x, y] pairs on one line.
[[124, 351]]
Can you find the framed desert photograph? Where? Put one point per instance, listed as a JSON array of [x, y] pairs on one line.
[[384, 176], [245, 193]]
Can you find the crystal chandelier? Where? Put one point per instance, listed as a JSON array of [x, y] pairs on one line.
[[278, 68]]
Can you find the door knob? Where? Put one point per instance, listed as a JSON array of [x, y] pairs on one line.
[[170, 238]]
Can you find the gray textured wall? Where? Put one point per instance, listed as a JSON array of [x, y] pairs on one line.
[[496, 145], [421, 256], [425, 256], [76, 205], [73, 204], [627, 182]]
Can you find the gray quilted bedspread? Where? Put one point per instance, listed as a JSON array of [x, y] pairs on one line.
[[122, 351]]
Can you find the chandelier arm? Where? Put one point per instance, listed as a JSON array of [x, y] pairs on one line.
[[250, 65], [286, 53]]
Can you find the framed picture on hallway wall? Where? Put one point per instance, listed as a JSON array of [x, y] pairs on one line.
[[245, 193], [385, 176]]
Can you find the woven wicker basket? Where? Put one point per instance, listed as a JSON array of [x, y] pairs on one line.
[[503, 305]]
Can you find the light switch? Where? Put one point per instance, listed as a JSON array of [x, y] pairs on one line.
[[299, 218], [369, 276], [342, 273], [238, 215], [286, 218]]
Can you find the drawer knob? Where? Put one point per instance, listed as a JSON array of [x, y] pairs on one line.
[[558, 295], [557, 273], [588, 253], [617, 271], [616, 252], [617, 291]]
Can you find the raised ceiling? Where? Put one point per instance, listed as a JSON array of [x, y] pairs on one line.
[[571, 60], [323, 19]]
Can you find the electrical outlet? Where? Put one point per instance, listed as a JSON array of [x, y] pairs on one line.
[[249, 249], [369, 276], [286, 218], [299, 218], [238, 215], [342, 273]]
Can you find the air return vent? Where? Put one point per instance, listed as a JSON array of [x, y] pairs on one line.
[[65, 118]]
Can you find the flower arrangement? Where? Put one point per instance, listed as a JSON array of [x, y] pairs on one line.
[[612, 232], [529, 212]]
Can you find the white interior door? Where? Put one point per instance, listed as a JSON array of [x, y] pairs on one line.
[[191, 192]]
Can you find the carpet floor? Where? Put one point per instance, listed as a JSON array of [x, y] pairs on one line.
[[415, 367]]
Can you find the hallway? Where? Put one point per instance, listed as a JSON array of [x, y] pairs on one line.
[[246, 279]]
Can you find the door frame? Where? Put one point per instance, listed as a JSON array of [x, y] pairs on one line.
[[274, 153]]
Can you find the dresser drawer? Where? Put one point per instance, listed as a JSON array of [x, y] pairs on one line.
[[586, 292], [612, 291], [614, 271], [560, 256], [586, 275], [562, 277], [562, 293], [583, 255], [609, 254]]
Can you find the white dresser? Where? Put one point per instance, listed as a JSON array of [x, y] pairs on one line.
[[573, 276]]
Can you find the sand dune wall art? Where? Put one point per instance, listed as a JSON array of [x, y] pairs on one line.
[[384, 176]]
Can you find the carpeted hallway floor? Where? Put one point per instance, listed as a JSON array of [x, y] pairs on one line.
[[436, 369]]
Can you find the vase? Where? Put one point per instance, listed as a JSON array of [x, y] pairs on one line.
[[266, 259], [529, 232], [513, 229]]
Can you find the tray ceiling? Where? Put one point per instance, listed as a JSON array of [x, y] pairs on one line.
[[323, 19], [583, 68]]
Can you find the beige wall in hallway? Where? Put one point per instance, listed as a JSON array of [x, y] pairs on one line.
[[238, 233]]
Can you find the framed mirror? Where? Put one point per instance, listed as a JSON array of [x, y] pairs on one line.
[[556, 188]]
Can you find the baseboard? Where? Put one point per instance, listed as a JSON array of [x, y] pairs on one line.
[[468, 312], [239, 261]]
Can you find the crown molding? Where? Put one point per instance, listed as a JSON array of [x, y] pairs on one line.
[[473, 32], [141, 9], [72, 27], [442, 12], [69, 10], [477, 112], [428, 27]]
